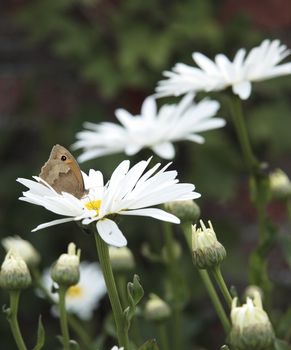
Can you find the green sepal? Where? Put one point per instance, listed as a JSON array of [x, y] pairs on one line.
[[40, 335], [150, 344], [135, 293]]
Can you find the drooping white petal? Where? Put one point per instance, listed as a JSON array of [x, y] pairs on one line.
[[242, 89], [164, 150], [110, 233]]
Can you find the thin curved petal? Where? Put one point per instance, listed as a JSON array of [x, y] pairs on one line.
[[52, 223], [154, 213]]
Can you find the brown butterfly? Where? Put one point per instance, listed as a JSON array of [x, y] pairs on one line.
[[63, 173]]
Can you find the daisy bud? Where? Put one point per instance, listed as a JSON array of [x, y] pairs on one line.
[[251, 327], [23, 248], [156, 309], [186, 211], [65, 271], [280, 184], [14, 274], [207, 251], [252, 291], [121, 259]]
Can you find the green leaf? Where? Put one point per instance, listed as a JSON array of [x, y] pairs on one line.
[[150, 344], [135, 293], [40, 335]]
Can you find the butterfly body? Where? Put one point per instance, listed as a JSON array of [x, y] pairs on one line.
[[63, 173]]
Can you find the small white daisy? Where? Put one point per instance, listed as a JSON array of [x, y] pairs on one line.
[[260, 64], [128, 192], [84, 297], [151, 128]]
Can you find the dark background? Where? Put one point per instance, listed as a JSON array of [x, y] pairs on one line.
[[63, 62]]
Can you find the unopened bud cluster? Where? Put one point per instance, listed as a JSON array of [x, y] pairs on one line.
[[121, 259], [207, 251], [14, 274], [156, 309], [280, 184], [23, 248], [186, 211], [65, 272], [251, 327]]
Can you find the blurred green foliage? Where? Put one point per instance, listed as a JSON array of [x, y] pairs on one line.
[[101, 55]]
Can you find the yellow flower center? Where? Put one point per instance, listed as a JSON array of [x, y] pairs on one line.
[[94, 205], [75, 291]]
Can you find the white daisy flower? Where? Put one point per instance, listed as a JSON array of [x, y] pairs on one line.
[[84, 297], [128, 192], [260, 64], [156, 129]]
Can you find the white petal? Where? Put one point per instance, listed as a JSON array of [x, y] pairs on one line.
[[110, 233], [242, 89], [132, 149], [124, 117], [154, 213], [149, 108], [164, 150], [52, 223], [205, 63]]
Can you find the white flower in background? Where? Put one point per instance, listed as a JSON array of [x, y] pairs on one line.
[[116, 348], [84, 297], [260, 64], [156, 129], [23, 248], [128, 192]]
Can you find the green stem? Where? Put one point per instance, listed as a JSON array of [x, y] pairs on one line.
[[242, 134], [222, 286], [187, 229], [77, 327], [13, 321], [104, 260], [163, 337], [215, 300], [172, 271], [63, 317], [121, 286], [73, 322]]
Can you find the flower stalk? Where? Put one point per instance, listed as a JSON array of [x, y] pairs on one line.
[[187, 230], [63, 317], [216, 271], [103, 254], [13, 321], [172, 272]]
